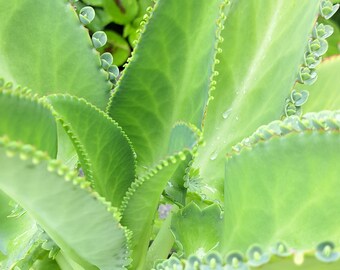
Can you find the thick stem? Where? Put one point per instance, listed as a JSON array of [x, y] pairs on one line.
[[161, 246]]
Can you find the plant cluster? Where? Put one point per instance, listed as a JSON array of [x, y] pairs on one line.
[[216, 148]]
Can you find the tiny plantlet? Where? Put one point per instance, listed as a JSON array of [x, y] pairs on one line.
[[216, 148]]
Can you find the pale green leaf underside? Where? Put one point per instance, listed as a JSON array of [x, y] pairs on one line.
[[168, 77], [73, 217], [324, 94], [43, 46], [109, 152], [205, 227], [258, 67], [27, 120], [141, 204], [285, 189]]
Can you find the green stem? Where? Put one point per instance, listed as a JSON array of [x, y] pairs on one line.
[[161, 246]]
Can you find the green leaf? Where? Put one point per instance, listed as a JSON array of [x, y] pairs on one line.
[[28, 120], [282, 184], [43, 46], [27, 250], [121, 11], [140, 204], [203, 237], [168, 77], [82, 224], [13, 228], [111, 160], [258, 67], [324, 93]]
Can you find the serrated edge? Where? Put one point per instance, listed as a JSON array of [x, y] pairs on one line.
[[68, 175]]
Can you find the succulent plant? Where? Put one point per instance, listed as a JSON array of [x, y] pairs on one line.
[[225, 119]]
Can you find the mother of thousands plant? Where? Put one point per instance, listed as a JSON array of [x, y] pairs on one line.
[[210, 116]]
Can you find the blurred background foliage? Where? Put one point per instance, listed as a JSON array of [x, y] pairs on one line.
[[120, 19]]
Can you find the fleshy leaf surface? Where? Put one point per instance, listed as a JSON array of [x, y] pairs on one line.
[[168, 77], [44, 46], [282, 184], [258, 67]]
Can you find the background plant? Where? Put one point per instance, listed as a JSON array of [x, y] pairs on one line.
[[206, 117]]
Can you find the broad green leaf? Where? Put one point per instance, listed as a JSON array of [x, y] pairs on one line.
[[108, 150], [121, 11], [28, 120], [82, 224], [168, 77], [198, 231], [324, 93], [43, 46], [258, 67], [283, 185], [141, 202]]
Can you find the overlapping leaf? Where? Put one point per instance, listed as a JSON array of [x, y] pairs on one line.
[[104, 144], [168, 77], [141, 203], [258, 67]]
